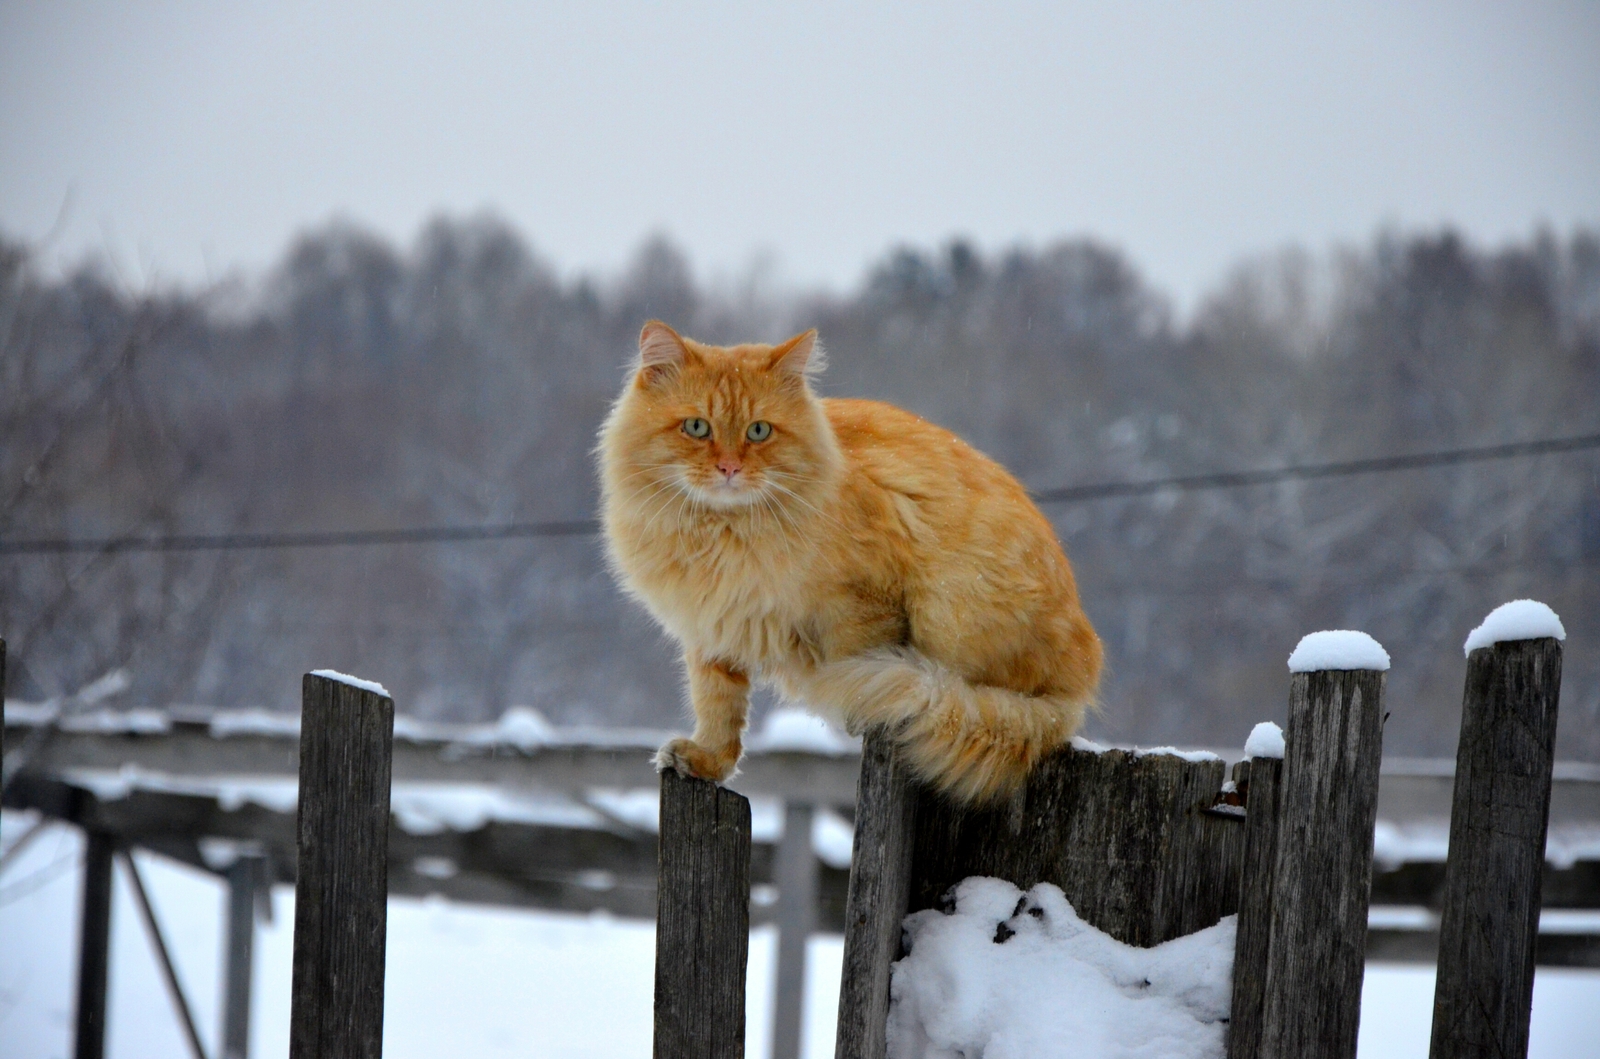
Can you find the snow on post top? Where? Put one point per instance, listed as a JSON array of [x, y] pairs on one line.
[[1338, 649], [355, 682], [1521, 619], [1266, 740]]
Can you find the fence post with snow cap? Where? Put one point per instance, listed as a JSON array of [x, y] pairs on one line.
[[1322, 874], [1261, 776], [702, 920], [1483, 995], [342, 878]]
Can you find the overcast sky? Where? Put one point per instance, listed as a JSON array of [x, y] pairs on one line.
[[191, 138]]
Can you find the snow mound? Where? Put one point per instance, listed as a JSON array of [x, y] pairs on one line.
[[794, 729], [1521, 619], [355, 682], [1266, 740], [1338, 649], [1010, 975]]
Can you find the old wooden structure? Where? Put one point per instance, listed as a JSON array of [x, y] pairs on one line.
[[90, 770]]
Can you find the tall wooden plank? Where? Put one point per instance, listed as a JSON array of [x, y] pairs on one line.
[[797, 913], [94, 945], [341, 887], [1261, 779], [1123, 835], [247, 878], [702, 920], [1498, 823], [1327, 807], [880, 885]]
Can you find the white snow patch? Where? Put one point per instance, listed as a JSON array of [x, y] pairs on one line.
[[355, 682], [640, 808], [1413, 842], [1521, 619], [1172, 751], [1088, 746], [227, 723], [791, 729], [1338, 649], [278, 794], [1055, 986], [118, 722], [31, 714], [431, 809], [1567, 844], [832, 838], [1266, 740], [220, 854]]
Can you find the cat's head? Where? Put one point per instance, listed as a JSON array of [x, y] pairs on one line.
[[731, 427]]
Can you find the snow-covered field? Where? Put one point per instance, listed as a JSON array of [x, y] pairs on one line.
[[468, 981]]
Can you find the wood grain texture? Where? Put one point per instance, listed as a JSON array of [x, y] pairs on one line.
[[796, 876], [1490, 923], [1327, 809], [1261, 780], [702, 920], [94, 946], [1123, 836], [342, 862], [880, 883]]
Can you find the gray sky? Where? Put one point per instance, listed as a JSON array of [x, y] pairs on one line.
[[196, 137]]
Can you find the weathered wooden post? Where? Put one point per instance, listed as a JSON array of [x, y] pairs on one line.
[[702, 920], [247, 879], [1490, 924], [94, 945], [1322, 878], [797, 912], [880, 888], [1261, 778], [342, 884]]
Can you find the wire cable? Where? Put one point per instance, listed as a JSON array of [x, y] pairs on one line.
[[194, 542]]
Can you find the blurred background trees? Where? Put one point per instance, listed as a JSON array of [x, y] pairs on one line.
[[461, 382]]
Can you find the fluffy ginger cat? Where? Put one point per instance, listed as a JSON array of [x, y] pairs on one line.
[[866, 562]]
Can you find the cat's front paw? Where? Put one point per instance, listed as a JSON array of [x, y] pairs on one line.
[[688, 758]]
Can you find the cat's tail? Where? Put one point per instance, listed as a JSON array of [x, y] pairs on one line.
[[977, 742]]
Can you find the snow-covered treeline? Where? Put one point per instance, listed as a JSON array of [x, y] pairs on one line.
[[460, 381]]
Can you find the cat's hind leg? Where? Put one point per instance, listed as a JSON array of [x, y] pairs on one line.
[[720, 695]]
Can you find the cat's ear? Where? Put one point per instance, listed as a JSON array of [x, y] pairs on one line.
[[661, 351], [801, 356]]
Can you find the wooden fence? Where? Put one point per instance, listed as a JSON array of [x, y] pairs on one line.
[[1141, 847], [1138, 842]]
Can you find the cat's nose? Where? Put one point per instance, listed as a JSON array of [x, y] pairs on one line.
[[728, 466]]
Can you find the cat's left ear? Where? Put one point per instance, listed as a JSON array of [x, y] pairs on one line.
[[801, 356]]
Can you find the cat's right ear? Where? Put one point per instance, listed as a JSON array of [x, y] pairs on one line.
[[661, 352]]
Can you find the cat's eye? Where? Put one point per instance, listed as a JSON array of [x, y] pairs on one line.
[[760, 430], [696, 427]]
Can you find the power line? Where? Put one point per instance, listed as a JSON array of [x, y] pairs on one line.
[[589, 527], [1308, 471]]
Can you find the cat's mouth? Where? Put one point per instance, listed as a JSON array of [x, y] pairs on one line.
[[721, 492]]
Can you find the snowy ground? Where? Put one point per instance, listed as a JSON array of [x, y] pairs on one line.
[[467, 981]]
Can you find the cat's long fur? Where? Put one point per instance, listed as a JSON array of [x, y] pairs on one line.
[[867, 562]]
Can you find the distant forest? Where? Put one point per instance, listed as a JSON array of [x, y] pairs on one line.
[[460, 382]]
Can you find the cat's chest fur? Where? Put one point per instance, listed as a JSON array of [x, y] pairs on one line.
[[732, 602]]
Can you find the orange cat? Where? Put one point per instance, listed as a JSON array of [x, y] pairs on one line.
[[864, 561]]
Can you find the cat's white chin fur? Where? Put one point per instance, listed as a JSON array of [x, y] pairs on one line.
[[725, 496]]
